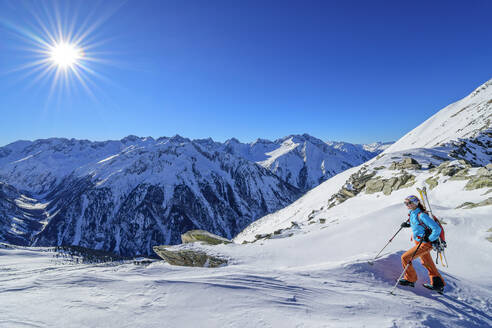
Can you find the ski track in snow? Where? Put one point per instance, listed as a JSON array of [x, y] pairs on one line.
[[319, 277], [349, 295]]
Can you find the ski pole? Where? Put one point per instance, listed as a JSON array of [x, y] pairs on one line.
[[372, 261], [405, 270]]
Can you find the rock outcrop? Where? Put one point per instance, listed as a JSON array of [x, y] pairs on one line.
[[482, 179], [387, 186], [460, 170], [453, 169], [177, 255], [189, 253], [354, 185], [406, 163], [206, 237], [467, 205]]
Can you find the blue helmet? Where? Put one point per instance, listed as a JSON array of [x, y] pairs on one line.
[[412, 199]]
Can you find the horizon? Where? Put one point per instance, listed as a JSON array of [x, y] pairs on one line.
[[191, 139], [353, 72]]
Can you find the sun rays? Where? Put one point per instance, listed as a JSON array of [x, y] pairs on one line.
[[60, 48]]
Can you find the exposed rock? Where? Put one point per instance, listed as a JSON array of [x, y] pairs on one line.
[[263, 236], [407, 180], [449, 168], [203, 236], [449, 171], [482, 179], [467, 205], [294, 224], [432, 182], [387, 186], [485, 171], [406, 163], [188, 257], [363, 179], [354, 185], [475, 151], [280, 233], [374, 185], [461, 175]]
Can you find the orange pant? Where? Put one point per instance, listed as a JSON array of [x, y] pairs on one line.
[[425, 258]]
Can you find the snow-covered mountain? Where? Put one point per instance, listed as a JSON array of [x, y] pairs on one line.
[[20, 216], [126, 196], [464, 119], [460, 131], [128, 199], [302, 160], [302, 266]]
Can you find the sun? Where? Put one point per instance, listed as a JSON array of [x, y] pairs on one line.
[[65, 55], [67, 48]]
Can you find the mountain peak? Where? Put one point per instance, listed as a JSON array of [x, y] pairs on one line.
[[130, 138], [261, 141], [179, 139], [232, 140]]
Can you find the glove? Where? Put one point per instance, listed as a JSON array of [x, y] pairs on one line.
[[426, 236], [405, 224]]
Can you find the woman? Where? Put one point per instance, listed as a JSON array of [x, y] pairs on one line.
[[426, 230]]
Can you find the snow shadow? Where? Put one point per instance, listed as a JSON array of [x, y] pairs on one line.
[[469, 306], [387, 270]]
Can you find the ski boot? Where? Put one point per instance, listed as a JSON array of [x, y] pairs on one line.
[[405, 282], [437, 285]]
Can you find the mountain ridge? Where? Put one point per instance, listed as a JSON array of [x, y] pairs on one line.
[[126, 196]]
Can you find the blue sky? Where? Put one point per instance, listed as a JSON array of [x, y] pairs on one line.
[[356, 71]]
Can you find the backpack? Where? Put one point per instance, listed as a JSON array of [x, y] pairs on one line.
[[427, 229]]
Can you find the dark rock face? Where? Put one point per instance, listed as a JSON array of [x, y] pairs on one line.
[[476, 151], [96, 217], [129, 195], [18, 220]]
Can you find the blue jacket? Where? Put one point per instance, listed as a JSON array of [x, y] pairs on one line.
[[419, 230]]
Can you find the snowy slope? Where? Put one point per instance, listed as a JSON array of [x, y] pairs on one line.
[[465, 119], [316, 278], [313, 273], [477, 127]]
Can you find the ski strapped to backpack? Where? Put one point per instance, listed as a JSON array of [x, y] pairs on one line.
[[442, 239]]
